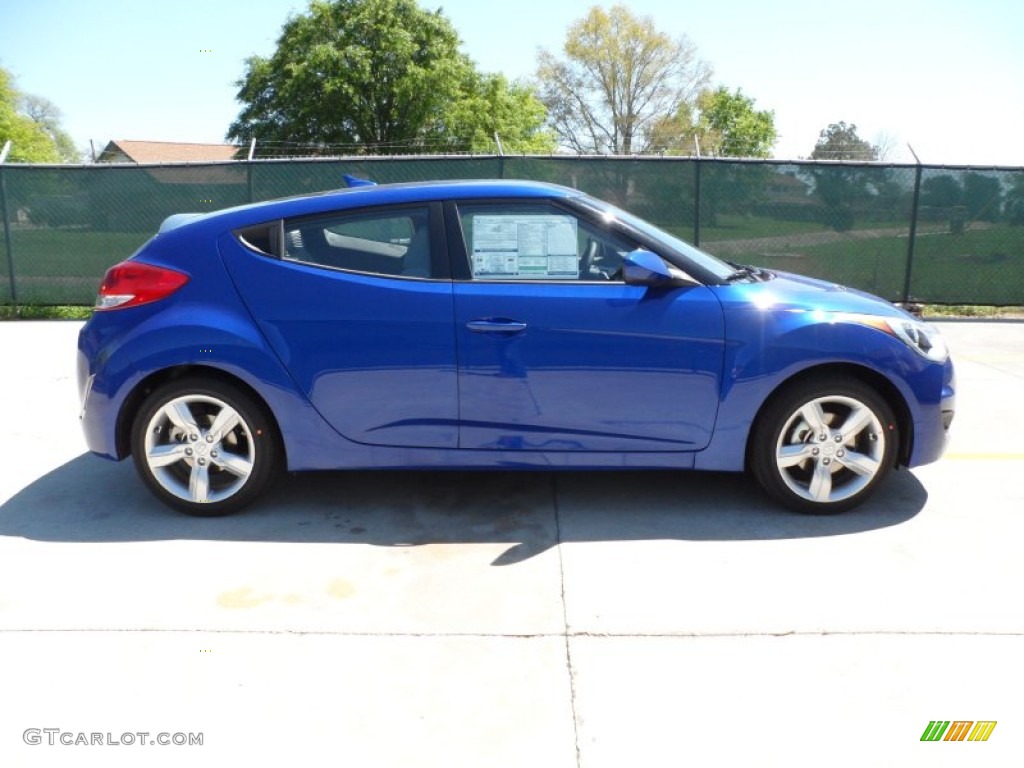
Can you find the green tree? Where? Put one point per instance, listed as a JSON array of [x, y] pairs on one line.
[[943, 196], [1013, 208], [983, 197], [44, 112], [724, 125], [374, 73], [30, 141], [487, 105], [943, 191], [676, 134], [840, 142], [381, 75], [844, 190], [618, 77], [727, 125]]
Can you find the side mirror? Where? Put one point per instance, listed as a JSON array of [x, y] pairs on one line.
[[641, 267]]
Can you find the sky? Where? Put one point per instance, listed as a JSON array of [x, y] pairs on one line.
[[945, 76]]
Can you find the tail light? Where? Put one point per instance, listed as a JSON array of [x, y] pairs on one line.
[[132, 283]]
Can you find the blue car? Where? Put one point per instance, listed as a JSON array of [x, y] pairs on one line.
[[491, 324]]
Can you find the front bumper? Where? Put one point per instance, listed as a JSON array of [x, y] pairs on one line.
[[932, 428]]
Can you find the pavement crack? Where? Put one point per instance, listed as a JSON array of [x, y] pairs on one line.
[[565, 618]]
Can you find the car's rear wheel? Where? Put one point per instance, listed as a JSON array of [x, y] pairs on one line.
[[824, 445], [204, 448]]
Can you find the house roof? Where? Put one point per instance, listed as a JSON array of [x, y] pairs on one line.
[[167, 152]]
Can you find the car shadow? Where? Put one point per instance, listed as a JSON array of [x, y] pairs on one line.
[[92, 500]]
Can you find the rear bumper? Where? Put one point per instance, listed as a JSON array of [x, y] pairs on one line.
[[98, 414]]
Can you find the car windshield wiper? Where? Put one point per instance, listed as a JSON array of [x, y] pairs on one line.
[[745, 270], [740, 272]]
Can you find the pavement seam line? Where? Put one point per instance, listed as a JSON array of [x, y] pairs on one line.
[[565, 619], [512, 636], [992, 367]]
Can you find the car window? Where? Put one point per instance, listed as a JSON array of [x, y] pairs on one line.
[[522, 241], [392, 242], [262, 238], [720, 269]]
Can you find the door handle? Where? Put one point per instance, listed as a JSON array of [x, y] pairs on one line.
[[500, 326]]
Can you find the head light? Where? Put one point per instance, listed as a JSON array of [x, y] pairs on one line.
[[921, 337]]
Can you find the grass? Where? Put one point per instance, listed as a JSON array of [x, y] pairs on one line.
[[45, 312], [64, 267], [732, 226], [47, 252], [744, 227], [981, 312], [984, 265]]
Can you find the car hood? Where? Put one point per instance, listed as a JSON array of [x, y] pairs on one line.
[[789, 292]]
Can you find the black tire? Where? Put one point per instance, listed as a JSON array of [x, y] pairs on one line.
[[832, 465], [228, 464]]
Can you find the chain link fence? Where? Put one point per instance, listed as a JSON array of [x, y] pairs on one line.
[[929, 234]]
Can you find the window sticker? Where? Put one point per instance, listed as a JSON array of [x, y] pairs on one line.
[[524, 246]]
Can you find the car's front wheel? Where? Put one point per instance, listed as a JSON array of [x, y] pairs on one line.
[[203, 448], [824, 445]]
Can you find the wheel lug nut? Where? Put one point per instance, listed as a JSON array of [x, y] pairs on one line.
[[209, 438], [839, 438], [193, 437], [188, 451], [840, 453], [815, 451], [202, 461], [214, 454], [823, 437], [826, 461]]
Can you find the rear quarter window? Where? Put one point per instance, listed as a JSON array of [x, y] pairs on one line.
[[262, 238], [390, 242]]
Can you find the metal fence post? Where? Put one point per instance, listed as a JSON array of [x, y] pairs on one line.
[[248, 169], [696, 204], [501, 156], [912, 236], [7, 226]]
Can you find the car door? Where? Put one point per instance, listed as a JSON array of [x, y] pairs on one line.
[[358, 306], [556, 353]]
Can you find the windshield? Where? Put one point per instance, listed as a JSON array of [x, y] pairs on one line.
[[712, 264]]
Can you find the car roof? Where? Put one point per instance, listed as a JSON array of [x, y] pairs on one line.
[[358, 197]]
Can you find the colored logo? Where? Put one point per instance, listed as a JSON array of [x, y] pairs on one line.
[[958, 730]]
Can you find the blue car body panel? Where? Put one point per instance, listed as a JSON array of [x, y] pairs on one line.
[[595, 368], [779, 329], [366, 370], [375, 356], [204, 326]]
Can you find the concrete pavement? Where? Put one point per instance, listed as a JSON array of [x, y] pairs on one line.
[[478, 619]]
